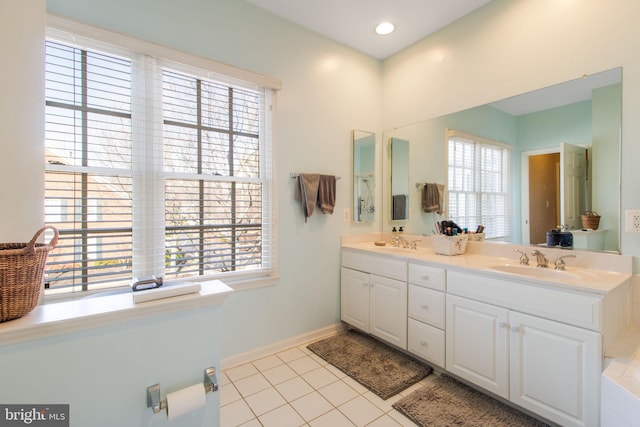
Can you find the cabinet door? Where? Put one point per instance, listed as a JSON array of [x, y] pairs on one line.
[[389, 310], [555, 370], [477, 344], [354, 295]]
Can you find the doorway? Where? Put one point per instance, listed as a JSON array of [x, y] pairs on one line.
[[555, 189], [544, 195]]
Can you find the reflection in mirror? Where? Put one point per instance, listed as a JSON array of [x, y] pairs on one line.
[[585, 112], [364, 161], [399, 179]]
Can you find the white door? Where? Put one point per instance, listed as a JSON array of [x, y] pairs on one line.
[[354, 294], [555, 370], [477, 346], [388, 318], [573, 175]]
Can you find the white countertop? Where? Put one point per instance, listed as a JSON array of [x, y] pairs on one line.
[[587, 272]]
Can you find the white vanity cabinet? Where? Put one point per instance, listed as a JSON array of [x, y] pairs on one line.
[[426, 309], [374, 296], [537, 347]]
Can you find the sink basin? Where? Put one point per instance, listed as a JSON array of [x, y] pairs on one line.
[[542, 273]]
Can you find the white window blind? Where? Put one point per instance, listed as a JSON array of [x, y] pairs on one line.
[[150, 170], [478, 183]]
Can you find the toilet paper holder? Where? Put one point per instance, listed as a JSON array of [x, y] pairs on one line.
[[153, 391]]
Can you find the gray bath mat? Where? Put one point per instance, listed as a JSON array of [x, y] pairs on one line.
[[447, 402], [382, 369]]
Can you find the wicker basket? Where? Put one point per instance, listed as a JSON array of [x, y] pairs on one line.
[[449, 245], [590, 220], [476, 237], [21, 274]]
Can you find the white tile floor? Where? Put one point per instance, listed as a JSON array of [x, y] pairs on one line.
[[297, 388]]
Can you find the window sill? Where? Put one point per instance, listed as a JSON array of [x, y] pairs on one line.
[[64, 317]]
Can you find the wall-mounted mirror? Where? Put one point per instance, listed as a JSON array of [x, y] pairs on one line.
[[399, 179], [364, 166], [585, 112]]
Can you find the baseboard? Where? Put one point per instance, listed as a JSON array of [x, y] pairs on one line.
[[258, 353]]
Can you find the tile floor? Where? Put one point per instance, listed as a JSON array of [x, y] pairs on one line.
[[297, 388]]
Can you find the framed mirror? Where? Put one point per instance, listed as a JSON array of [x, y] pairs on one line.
[[364, 166], [584, 112], [399, 179]]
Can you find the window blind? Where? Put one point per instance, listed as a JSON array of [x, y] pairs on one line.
[[478, 183], [152, 171]]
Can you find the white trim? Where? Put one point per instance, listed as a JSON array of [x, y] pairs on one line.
[[259, 353], [476, 139], [56, 23]]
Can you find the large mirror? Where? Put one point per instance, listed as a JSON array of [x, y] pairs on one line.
[[364, 166], [399, 180], [583, 114]]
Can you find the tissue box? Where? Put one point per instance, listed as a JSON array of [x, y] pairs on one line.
[[449, 245]]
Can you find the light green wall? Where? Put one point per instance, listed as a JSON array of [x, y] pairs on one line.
[[545, 129], [327, 90], [607, 112]]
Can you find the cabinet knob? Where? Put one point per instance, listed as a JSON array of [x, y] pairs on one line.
[[425, 306], [503, 324], [425, 277], [423, 343], [515, 328]]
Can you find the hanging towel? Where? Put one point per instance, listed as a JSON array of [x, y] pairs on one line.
[[327, 193], [307, 192], [432, 198], [399, 207]]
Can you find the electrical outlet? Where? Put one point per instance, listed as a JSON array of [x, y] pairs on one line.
[[632, 221], [346, 215]]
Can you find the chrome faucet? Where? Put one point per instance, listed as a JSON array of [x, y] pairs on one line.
[[559, 264], [541, 259], [401, 242], [524, 259]]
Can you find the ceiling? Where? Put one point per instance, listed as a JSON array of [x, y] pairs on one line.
[[352, 22], [566, 93]]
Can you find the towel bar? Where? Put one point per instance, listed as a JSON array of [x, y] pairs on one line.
[[295, 175], [153, 391]]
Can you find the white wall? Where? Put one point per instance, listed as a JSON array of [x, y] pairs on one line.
[[514, 46], [21, 119]]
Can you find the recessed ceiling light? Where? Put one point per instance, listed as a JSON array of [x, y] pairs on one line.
[[385, 28]]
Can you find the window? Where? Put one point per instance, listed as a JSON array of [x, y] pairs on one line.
[[153, 167], [478, 183]]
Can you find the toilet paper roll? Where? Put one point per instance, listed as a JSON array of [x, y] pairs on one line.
[[185, 400]]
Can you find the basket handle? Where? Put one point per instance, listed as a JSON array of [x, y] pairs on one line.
[[30, 248]]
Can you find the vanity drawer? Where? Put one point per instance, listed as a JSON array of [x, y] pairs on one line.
[[426, 342], [574, 308], [380, 265], [426, 305], [426, 276]]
